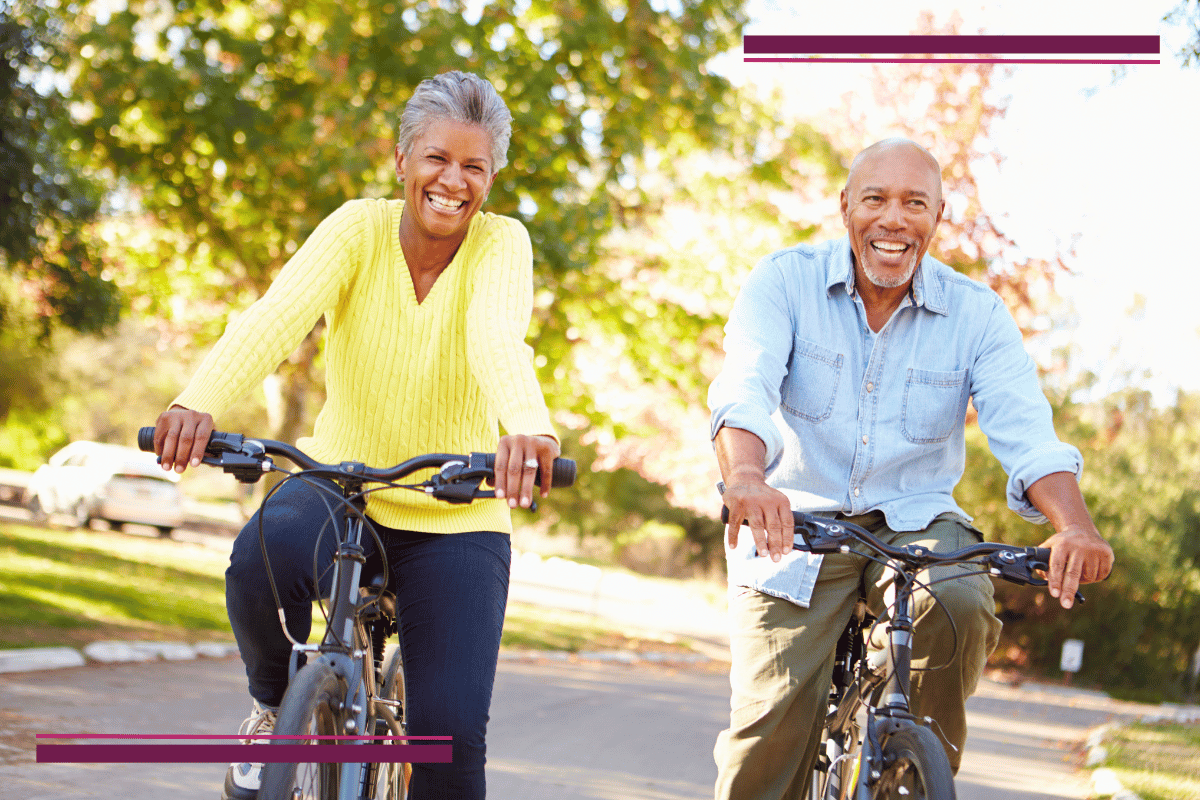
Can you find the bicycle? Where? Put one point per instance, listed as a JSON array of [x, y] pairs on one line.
[[347, 689], [872, 746]]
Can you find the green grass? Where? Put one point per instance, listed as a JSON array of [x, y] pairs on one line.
[[72, 588], [1156, 761]]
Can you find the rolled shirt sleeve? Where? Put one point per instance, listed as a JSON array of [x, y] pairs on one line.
[[1015, 415]]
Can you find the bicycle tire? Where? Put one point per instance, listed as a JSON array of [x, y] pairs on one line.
[[914, 767], [392, 777], [312, 706]]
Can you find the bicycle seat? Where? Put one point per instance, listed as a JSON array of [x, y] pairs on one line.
[[372, 593]]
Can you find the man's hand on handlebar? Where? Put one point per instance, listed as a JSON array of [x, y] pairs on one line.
[[765, 509], [518, 458], [743, 457], [1078, 555], [180, 436]]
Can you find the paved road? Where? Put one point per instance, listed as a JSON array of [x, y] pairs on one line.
[[559, 730]]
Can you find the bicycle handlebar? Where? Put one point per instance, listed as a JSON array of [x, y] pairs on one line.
[[247, 460], [1010, 562]]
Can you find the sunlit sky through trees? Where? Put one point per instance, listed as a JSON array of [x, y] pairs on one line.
[[1100, 156]]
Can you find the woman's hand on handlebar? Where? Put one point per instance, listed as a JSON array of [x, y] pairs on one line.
[[180, 436], [518, 458]]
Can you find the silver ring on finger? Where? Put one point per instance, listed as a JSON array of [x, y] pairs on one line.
[[531, 463]]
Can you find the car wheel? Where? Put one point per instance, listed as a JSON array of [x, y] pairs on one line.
[[36, 512], [80, 515], [115, 525], [165, 531]]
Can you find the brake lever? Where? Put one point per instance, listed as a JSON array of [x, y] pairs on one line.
[[824, 536], [819, 535], [457, 482], [246, 468], [1016, 567], [1019, 568]]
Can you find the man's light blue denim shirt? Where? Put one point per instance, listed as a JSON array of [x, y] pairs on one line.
[[856, 421]]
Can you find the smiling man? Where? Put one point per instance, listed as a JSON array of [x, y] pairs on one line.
[[849, 367]]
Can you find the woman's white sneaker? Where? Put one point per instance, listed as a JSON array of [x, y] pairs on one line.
[[242, 780]]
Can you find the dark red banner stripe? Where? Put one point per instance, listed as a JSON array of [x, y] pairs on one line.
[[233, 753], [206, 736], [941, 44]]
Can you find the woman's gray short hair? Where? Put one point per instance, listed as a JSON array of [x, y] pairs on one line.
[[463, 97]]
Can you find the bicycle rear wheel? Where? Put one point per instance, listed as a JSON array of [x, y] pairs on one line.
[[313, 706], [391, 777], [914, 767]]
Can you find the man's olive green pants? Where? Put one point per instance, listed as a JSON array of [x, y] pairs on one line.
[[782, 660]]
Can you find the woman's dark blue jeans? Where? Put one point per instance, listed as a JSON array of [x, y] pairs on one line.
[[451, 591]]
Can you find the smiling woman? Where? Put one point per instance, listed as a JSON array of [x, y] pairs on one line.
[[427, 300], [447, 174]]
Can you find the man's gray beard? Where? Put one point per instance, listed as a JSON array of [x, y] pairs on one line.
[[885, 281]]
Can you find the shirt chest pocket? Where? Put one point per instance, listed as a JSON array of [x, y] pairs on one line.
[[934, 405], [812, 381]]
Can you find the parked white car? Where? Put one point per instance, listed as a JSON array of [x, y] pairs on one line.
[[89, 480]]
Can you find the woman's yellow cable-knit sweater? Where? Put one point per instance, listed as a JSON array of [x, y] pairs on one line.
[[402, 378]]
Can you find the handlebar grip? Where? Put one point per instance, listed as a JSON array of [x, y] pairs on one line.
[[1040, 555], [561, 474], [232, 441], [145, 439]]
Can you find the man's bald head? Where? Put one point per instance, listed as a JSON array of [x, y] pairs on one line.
[[882, 147]]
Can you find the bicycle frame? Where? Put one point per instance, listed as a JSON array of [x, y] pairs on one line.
[[346, 645]]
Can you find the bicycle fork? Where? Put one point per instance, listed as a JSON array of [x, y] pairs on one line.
[[892, 710]]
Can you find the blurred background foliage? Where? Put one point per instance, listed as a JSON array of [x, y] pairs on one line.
[[162, 161]]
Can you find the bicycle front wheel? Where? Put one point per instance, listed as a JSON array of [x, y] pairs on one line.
[[313, 706], [914, 767]]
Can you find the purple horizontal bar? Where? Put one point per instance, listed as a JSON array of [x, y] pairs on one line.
[[235, 753], [203, 736], [820, 60], [755, 43]]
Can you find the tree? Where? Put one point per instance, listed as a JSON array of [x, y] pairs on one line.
[[47, 203], [236, 127], [50, 273]]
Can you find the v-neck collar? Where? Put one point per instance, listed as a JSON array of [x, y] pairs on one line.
[[410, 290]]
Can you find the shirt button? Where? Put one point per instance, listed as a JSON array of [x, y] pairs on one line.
[[870, 387], [856, 491], [864, 438]]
